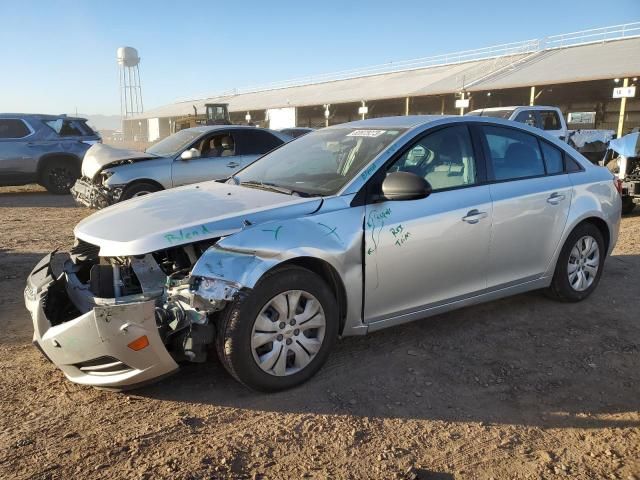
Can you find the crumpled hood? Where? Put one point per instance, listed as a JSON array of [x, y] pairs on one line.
[[100, 156], [180, 216]]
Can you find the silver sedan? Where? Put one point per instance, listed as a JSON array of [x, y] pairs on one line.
[[348, 230]]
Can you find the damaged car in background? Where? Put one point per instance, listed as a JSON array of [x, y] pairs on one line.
[[347, 230], [622, 158], [110, 175]]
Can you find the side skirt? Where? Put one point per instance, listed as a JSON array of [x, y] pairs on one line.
[[464, 302]]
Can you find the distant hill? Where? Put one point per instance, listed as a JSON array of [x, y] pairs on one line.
[[102, 122]]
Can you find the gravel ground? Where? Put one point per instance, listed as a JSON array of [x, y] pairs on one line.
[[519, 388]]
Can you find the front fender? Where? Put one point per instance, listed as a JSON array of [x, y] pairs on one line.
[[157, 170], [333, 237]]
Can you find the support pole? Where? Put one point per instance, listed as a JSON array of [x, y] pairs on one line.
[[532, 96], [462, 95], [623, 106], [442, 106], [406, 106]]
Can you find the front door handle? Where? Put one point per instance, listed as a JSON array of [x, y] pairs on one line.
[[555, 198], [232, 164], [474, 216]]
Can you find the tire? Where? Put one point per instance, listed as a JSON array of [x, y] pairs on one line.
[[138, 189], [627, 205], [238, 322], [58, 175], [568, 288]]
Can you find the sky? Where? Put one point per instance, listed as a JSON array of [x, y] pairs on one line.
[[60, 56]]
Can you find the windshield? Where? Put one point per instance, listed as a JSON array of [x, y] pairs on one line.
[[173, 144], [321, 162]]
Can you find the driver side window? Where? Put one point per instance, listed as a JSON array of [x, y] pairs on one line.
[[444, 158], [218, 145]]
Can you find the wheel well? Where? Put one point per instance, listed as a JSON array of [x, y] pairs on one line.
[[144, 180], [330, 276], [45, 159], [603, 227]]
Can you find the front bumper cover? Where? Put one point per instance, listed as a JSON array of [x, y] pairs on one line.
[[92, 349], [88, 194]]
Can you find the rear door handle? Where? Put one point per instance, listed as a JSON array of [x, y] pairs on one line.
[[474, 216], [555, 198], [232, 164]]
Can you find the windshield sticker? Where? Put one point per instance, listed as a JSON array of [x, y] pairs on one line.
[[366, 133]]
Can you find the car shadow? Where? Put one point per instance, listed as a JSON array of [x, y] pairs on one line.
[[523, 360], [33, 196]]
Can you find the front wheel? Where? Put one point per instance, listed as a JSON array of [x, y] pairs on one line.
[[280, 334], [139, 189], [580, 264]]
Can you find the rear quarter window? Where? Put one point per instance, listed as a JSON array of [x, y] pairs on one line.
[[65, 128]]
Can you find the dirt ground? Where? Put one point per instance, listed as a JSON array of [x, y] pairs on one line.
[[519, 388]]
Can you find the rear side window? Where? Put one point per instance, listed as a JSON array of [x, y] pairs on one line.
[[572, 164], [550, 120], [256, 142], [528, 117], [65, 128], [13, 128], [513, 154], [552, 158]]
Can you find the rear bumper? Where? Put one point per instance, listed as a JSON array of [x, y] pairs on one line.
[[88, 194], [92, 348]]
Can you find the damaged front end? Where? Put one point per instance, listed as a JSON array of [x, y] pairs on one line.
[[88, 194], [118, 322]]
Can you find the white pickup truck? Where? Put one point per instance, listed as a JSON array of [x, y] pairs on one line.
[[549, 119]]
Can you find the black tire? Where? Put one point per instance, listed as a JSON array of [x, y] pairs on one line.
[[627, 205], [59, 174], [233, 341], [561, 288], [138, 189]]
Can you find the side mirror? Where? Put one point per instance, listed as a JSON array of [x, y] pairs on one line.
[[405, 186], [190, 154]]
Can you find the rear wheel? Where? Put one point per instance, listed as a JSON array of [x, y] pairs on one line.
[[139, 189], [58, 175], [580, 264], [281, 333]]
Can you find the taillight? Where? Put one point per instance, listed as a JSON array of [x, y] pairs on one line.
[[618, 184]]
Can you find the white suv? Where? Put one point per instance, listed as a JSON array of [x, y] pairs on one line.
[[549, 119]]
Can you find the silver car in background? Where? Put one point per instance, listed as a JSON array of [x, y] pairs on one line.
[[347, 230], [192, 155]]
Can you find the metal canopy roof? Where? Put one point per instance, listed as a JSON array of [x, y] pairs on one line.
[[583, 62]]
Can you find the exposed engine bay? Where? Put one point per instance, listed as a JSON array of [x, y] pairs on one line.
[[184, 318]]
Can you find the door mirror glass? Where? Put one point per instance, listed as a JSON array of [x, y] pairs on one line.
[[190, 154], [405, 186]]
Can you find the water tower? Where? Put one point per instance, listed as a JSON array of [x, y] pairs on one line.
[[130, 86]]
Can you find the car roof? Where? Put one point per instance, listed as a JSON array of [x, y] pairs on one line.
[[213, 128], [514, 107], [40, 116], [406, 121]]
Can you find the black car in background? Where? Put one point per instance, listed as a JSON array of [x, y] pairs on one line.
[[44, 149]]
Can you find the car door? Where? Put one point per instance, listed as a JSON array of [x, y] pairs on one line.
[[17, 159], [531, 198], [219, 157], [420, 253]]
